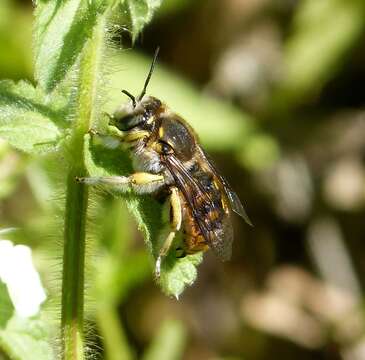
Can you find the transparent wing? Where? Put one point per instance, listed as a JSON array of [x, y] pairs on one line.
[[219, 237], [233, 198], [236, 204]]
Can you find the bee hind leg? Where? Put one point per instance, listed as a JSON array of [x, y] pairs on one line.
[[175, 224]]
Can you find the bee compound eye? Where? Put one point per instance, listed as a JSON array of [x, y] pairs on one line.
[[128, 122]]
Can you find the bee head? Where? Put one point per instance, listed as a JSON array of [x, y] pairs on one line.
[[137, 112], [130, 117]]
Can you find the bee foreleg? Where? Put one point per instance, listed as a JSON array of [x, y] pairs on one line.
[[175, 224], [139, 182], [110, 141]]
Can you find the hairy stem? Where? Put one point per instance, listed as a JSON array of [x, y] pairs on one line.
[[72, 319], [73, 267]]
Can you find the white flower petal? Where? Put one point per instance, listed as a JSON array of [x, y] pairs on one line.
[[22, 279]]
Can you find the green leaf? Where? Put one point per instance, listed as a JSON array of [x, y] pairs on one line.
[[138, 13], [15, 170], [26, 339], [27, 121], [16, 49], [177, 274], [61, 30], [6, 306]]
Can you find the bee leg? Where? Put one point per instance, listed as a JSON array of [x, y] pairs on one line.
[[139, 182], [110, 141], [175, 224]]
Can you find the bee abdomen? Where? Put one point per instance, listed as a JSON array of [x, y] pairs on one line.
[[209, 205]]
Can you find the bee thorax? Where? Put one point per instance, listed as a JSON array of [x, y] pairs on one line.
[[146, 159]]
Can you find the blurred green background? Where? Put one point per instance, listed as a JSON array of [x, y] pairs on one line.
[[275, 90]]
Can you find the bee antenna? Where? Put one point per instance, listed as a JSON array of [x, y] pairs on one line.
[[130, 96], [149, 74]]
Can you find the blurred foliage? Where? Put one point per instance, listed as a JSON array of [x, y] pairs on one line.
[[15, 58], [137, 14], [236, 71], [25, 120], [168, 343], [19, 336], [322, 35], [22, 337], [7, 308]]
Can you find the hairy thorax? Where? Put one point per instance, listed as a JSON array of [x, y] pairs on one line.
[[146, 159]]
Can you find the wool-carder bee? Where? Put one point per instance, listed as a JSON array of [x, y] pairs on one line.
[[170, 163]]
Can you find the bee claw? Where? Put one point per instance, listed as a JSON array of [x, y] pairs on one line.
[[158, 267], [80, 180], [93, 132]]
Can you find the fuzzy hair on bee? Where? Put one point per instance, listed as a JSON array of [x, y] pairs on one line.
[[169, 163]]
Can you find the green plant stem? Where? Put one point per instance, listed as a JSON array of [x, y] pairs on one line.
[[169, 342], [114, 338], [73, 267], [86, 111]]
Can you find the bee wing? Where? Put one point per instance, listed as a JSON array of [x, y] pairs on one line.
[[219, 237], [234, 200], [236, 204], [221, 241]]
